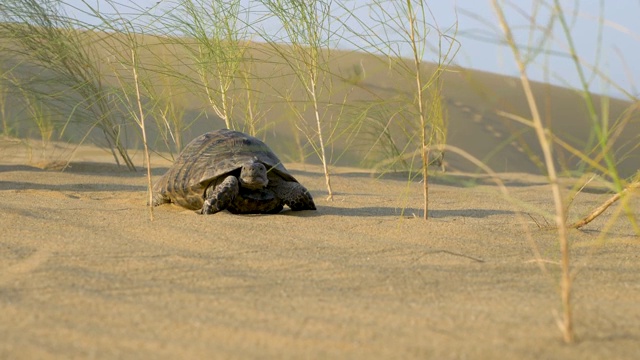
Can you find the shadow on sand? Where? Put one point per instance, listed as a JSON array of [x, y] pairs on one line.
[[381, 211], [78, 187], [88, 168]]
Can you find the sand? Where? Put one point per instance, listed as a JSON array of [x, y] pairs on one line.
[[84, 273]]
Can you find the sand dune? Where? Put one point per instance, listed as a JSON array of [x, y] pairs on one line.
[[84, 273]]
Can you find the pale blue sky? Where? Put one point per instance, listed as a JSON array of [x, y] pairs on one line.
[[617, 55]]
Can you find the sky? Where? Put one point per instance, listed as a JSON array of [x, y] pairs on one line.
[[616, 55], [606, 35]]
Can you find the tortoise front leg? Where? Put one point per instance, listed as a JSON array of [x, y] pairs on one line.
[[219, 195], [294, 195]]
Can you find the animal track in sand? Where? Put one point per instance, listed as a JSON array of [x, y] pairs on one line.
[[480, 117]]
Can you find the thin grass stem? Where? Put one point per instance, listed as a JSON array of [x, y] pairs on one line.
[[566, 323]]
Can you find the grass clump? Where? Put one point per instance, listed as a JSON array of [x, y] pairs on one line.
[[396, 29], [306, 26], [212, 33], [46, 40]]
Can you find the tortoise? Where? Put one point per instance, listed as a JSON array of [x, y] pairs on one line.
[[226, 169]]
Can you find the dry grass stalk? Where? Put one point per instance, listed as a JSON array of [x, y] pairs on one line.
[[147, 157], [605, 205], [566, 324], [424, 153]]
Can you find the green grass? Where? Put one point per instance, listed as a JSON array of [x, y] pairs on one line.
[[306, 26], [467, 94], [59, 64]]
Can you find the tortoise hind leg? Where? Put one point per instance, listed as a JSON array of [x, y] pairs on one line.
[[219, 195], [160, 198], [294, 195]]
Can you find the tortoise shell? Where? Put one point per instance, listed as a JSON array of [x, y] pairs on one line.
[[208, 157]]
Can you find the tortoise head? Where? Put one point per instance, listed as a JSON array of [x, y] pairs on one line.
[[253, 175]]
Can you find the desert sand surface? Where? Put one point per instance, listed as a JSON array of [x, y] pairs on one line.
[[84, 273]]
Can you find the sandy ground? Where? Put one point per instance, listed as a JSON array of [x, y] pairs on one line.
[[84, 273]]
